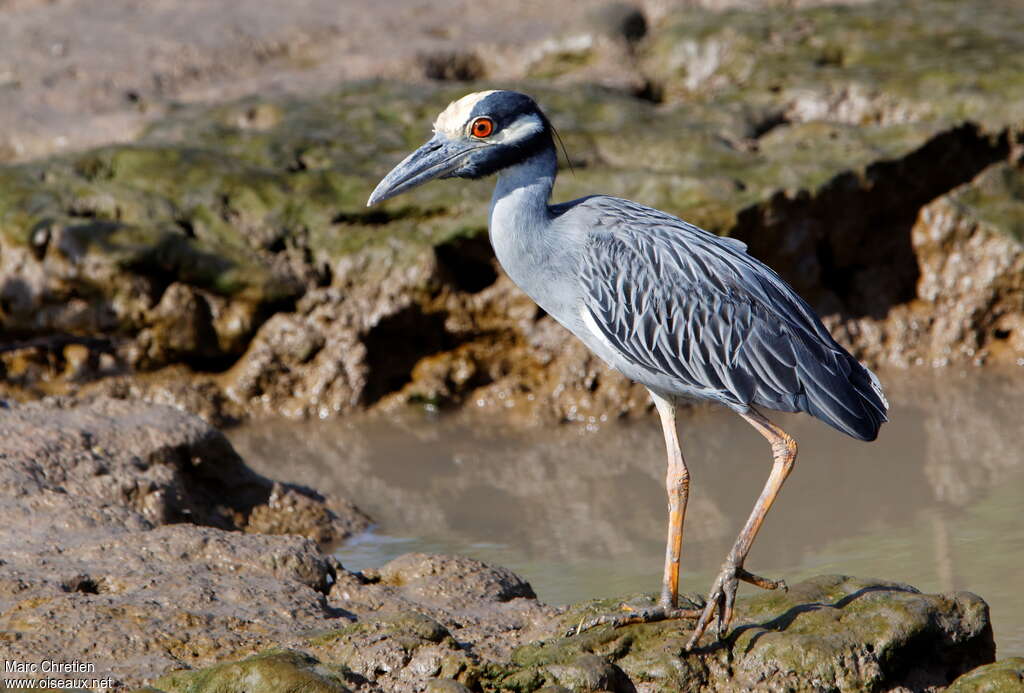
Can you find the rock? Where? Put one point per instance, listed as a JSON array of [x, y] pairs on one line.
[[400, 647], [831, 632], [452, 580], [431, 597], [1004, 676], [295, 510], [271, 672], [591, 673], [151, 463], [969, 302], [135, 542], [446, 686], [230, 245], [857, 64], [453, 66], [857, 631], [122, 546]]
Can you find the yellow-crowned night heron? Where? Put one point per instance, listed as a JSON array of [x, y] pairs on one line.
[[688, 314]]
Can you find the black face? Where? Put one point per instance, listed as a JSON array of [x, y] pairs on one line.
[[520, 130], [476, 136]]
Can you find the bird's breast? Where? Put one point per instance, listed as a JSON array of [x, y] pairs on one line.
[[544, 270]]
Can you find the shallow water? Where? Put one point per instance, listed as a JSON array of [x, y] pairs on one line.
[[935, 502]]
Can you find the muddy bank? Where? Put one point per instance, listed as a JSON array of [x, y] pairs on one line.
[[581, 513], [74, 75], [136, 538], [134, 549], [225, 261]]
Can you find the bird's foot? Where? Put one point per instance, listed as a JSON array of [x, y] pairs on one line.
[[722, 598], [631, 615]]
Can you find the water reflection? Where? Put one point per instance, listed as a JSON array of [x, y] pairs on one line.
[[935, 502]]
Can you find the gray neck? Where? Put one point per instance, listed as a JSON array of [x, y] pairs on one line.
[[521, 228], [521, 195]]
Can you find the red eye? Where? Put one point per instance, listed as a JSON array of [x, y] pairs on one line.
[[482, 127]]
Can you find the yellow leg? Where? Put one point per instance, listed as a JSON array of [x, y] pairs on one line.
[[677, 485], [722, 596]]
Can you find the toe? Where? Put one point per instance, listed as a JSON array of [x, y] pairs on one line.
[[725, 616]]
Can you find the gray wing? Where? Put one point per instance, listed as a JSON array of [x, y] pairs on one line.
[[679, 301]]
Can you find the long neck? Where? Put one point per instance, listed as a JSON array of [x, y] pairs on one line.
[[520, 199], [520, 225]]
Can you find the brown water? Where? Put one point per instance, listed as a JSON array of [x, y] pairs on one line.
[[935, 502]]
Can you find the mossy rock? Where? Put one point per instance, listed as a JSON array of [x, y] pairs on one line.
[[1004, 676], [995, 199], [939, 60], [389, 642], [280, 671], [818, 154], [832, 633], [410, 627]]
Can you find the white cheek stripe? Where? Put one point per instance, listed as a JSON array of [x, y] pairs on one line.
[[522, 128]]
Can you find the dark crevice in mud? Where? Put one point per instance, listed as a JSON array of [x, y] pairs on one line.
[[847, 247], [381, 216], [396, 344], [212, 364], [467, 263], [186, 227], [39, 238], [650, 91], [220, 495], [277, 244], [56, 342], [83, 584], [452, 66], [218, 361], [769, 122], [916, 670]]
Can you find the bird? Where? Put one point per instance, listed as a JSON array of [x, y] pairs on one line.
[[689, 314]]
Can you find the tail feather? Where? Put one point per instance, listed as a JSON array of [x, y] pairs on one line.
[[853, 403]]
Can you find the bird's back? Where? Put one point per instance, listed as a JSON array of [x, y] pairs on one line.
[[691, 314]]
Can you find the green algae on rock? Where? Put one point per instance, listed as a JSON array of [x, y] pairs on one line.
[[1004, 676], [831, 632], [926, 60], [233, 238], [269, 672]]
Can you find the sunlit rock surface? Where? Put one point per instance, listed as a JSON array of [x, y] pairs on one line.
[[869, 154], [833, 632], [138, 541], [1004, 676]]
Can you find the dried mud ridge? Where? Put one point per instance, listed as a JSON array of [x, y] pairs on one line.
[[139, 542], [226, 262]]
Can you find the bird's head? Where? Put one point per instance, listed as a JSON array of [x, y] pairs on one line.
[[476, 136]]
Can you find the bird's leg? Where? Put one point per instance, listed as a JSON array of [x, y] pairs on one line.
[[722, 596], [677, 484]]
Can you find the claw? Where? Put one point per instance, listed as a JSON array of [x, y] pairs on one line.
[[648, 615], [722, 600]]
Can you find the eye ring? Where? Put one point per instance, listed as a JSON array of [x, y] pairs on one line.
[[482, 127]]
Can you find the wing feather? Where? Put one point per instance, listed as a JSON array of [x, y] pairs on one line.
[[684, 303]]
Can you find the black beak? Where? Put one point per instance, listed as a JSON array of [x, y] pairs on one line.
[[434, 159]]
